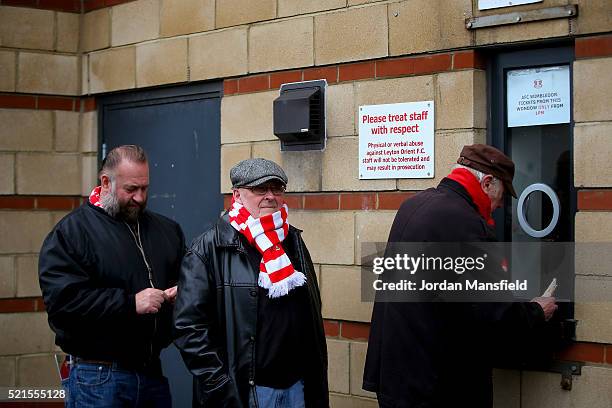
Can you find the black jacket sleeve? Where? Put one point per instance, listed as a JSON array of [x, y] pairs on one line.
[[69, 291], [200, 339]]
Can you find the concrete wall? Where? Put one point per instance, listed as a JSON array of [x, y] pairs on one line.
[[53, 62]]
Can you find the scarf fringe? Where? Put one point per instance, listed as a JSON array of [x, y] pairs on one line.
[[282, 287]]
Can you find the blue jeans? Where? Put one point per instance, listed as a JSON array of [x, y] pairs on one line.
[[292, 397], [99, 386]]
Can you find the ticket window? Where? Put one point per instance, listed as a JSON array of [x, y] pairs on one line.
[[531, 121]]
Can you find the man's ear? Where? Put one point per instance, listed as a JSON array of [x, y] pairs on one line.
[[486, 183], [105, 182], [236, 195]]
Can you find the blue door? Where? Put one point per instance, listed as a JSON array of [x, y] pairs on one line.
[[179, 128]]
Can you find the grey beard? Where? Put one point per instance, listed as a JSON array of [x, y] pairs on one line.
[[110, 203]]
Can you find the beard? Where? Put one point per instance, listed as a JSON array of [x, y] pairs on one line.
[[128, 211]]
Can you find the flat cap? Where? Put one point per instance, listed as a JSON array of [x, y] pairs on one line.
[[489, 160], [253, 172]]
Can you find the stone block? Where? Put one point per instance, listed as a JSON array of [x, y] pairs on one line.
[[85, 74], [22, 231], [591, 98], [95, 33], [26, 130], [338, 362], [241, 123], [7, 278], [294, 7], [89, 174], [590, 389], [341, 110], [303, 169], [408, 89], [592, 150], [66, 131], [594, 16], [218, 54], [445, 27], [112, 70], [461, 100], [27, 276], [371, 227], [506, 388], [325, 234], [25, 333], [354, 34], [448, 145], [341, 168], [7, 371], [68, 32], [349, 401], [123, 16], [186, 16], [231, 155], [161, 62], [7, 173], [48, 74], [593, 309], [292, 46], [236, 12], [37, 371], [522, 32], [593, 259], [8, 63], [89, 132], [62, 173], [358, 354], [593, 226], [27, 28], [357, 2], [347, 280]]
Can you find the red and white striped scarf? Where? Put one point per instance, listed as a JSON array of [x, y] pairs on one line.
[[266, 233], [94, 197]]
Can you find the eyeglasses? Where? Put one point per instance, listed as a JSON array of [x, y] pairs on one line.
[[262, 190]]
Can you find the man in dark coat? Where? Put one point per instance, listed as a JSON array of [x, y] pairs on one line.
[[437, 354], [248, 311], [108, 272]]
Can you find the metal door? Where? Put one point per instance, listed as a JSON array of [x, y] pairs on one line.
[[179, 128]]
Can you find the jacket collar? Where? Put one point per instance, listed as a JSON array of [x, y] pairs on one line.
[[459, 189]]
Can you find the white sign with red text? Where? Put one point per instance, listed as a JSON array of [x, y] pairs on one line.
[[396, 140], [538, 96]]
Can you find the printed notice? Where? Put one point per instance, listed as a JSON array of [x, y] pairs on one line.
[[538, 96], [396, 140]]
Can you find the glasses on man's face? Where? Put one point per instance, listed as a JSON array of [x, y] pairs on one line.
[[263, 189]]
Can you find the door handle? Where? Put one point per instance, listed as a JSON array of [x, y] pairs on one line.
[[521, 210]]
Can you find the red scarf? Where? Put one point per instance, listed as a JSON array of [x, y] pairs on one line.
[[266, 233], [470, 182], [94, 197]]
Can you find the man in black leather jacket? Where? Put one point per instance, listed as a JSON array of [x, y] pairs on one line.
[[251, 331], [108, 272]]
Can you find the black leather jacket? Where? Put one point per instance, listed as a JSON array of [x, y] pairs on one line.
[[216, 317]]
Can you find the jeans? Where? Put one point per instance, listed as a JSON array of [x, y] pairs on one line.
[[292, 397], [92, 385]]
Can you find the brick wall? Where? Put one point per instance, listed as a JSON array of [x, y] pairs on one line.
[[53, 54]]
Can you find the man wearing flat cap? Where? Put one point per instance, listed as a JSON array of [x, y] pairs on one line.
[[434, 354], [248, 310]]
